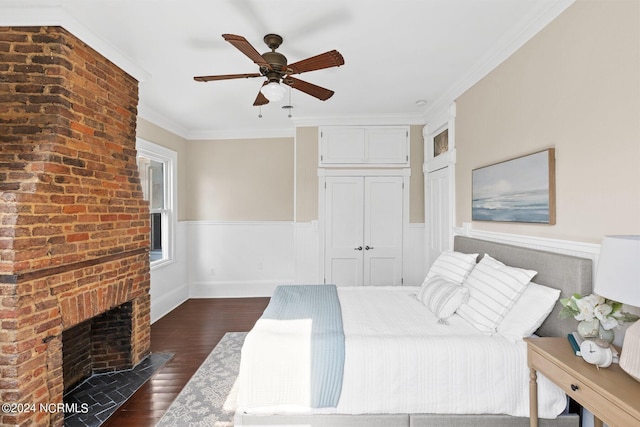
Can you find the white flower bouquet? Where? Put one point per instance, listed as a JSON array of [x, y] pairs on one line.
[[608, 312]]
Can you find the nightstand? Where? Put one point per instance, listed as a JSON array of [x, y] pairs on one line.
[[609, 394]]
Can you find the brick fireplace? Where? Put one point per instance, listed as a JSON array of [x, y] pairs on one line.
[[74, 228]]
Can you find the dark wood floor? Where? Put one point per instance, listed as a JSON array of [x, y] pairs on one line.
[[190, 331]]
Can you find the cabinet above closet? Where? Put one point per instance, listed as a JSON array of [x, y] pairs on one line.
[[355, 146]]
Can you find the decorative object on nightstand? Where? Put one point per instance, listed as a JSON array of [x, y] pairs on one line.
[[597, 352], [597, 315], [618, 278]]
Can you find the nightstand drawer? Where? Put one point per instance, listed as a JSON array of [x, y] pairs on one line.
[[600, 406]]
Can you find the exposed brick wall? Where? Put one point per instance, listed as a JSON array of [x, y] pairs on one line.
[[76, 351], [74, 229]]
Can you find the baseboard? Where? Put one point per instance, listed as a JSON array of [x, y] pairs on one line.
[[235, 289], [165, 303]]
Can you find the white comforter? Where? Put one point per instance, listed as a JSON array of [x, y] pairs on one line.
[[399, 359]]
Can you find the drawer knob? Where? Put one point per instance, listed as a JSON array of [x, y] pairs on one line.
[[574, 387]]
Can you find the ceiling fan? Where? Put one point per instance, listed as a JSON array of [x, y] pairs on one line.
[[273, 66]]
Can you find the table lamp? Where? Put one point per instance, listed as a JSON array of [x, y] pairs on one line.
[[618, 279]]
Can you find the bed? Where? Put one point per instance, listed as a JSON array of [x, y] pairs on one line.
[[379, 362]]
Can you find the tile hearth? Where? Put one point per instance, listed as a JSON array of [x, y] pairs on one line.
[[104, 393]]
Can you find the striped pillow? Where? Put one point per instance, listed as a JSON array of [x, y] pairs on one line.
[[493, 289], [442, 297], [453, 266]]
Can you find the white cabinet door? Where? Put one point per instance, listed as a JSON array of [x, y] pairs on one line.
[[383, 231], [364, 146], [344, 230], [342, 145], [387, 145], [363, 230]]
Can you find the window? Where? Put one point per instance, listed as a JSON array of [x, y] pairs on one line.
[[156, 166]]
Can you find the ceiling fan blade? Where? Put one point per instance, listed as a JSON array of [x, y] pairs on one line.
[[333, 58], [261, 99], [308, 88], [226, 77], [245, 47]]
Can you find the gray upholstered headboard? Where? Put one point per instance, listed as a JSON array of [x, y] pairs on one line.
[[568, 273]]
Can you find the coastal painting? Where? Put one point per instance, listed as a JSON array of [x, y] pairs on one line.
[[516, 190]]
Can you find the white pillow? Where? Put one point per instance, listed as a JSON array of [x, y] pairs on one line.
[[442, 297], [493, 289], [532, 308], [453, 266]]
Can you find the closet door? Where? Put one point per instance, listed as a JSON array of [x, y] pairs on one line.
[[363, 230], [344, 229], [383, 231], [437, 212]]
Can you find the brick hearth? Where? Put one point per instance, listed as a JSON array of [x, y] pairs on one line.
[[74, 228]]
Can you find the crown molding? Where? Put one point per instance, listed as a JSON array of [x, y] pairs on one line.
[[243, 134], [149, 114], [383, 119], [17, 15], [521, 32], [152, 116]]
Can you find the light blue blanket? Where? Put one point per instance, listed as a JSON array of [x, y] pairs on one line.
[[321, 304]]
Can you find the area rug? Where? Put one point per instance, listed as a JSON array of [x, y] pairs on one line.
[[209, 398]]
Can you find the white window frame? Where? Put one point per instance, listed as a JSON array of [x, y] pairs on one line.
[[169, 158]]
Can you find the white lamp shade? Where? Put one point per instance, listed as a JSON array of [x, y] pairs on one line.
[[618, 279], [273, 91], [618, 274]]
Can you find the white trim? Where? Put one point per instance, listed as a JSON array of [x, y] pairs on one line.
[[151, 115], [235, 289], [170, 157], [568, 247], [405, 172], [361, 120], [55, 15], [237, 223], [163, 304], [242, 134], [446, 161]]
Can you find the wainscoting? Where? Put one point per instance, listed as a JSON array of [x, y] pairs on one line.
[[236, 259], [249, 259]]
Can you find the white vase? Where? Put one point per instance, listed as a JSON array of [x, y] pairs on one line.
[[607, 335], [589, 328], [593, 329]]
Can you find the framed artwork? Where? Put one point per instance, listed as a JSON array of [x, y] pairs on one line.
[[516, 190], [441, 143]]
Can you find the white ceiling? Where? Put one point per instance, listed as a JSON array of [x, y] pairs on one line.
[[396, 53]]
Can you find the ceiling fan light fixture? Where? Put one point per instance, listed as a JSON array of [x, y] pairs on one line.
[[274, 91]]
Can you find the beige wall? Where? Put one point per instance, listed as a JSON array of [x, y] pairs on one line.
[[240, 180], [416, 198], [152, 133], [306, 174], [252, 179], [575, 86]]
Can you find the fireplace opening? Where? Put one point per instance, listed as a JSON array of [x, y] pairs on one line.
[[97, 345]]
